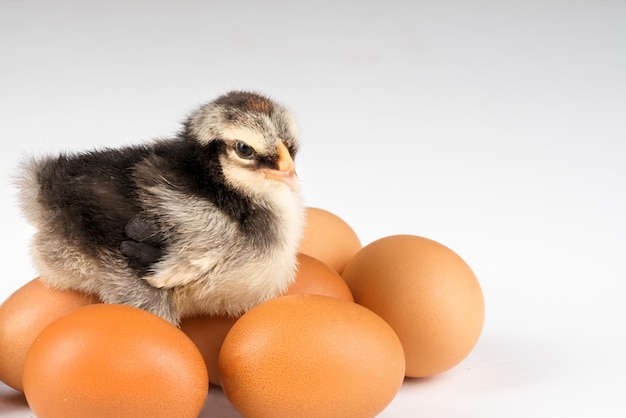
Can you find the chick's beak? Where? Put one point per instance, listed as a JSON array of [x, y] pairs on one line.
[[285, 170]]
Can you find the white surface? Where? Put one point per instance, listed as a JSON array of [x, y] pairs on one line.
[[495, 128]]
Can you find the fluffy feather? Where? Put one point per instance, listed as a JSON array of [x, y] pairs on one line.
[[180, 226]]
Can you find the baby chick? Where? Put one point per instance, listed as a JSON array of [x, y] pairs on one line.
[[207, 222]]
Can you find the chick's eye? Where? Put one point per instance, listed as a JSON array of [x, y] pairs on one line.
[[244, 150]]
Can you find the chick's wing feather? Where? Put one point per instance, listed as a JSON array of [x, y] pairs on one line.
[[86, 197], [145, 244], [193, 231]]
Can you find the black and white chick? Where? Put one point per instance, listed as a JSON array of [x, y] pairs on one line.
[[207, 222]]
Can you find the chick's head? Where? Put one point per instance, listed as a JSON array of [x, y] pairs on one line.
[[257, 138]]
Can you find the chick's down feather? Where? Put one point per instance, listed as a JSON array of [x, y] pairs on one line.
[[207, 221]]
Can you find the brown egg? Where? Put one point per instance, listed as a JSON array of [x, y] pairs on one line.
[[329, 238], [108, 360], [315, 277], [208, 333], [426, 292], [311, 356], [23, 315]]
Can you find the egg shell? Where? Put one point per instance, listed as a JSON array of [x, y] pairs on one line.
[[328, 238], [314, 277], [426, 292], [311, 356], [208, 332], [110, 360], [23, 315]]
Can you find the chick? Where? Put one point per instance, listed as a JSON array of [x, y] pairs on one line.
[[207, 222]]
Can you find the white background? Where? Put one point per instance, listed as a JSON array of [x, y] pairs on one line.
[[497, 128]]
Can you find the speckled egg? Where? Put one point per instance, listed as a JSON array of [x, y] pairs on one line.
[[106, 360], [311, 356]]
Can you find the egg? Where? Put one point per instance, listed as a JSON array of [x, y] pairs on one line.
[[24, 314], [208, 332], [311, 356], [316, 277], [109, 360], [328, 238], [426, 292]]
